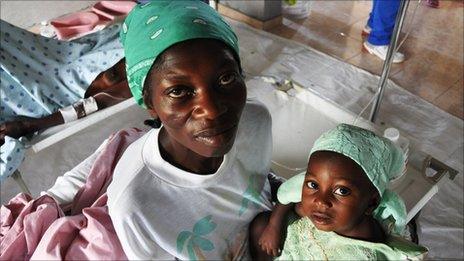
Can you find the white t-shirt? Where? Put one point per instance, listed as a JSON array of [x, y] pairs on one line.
[[162, 212]]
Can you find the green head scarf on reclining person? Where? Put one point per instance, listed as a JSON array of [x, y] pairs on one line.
[[151, 28], [381, 161]]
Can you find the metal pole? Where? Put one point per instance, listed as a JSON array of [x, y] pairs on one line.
[[389, 58], [19, 180]]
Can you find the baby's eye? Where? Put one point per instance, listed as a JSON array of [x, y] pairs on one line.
[[342, 191], [311, 185], [227, 79]]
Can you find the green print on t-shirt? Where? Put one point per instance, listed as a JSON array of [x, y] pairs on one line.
[[252, 193], [194, 241]]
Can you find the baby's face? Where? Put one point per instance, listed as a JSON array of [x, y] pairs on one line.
[[336, 195]]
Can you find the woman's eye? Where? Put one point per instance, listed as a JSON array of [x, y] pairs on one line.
[[178, 93], [311, 185], [227, 79], [342, 191]]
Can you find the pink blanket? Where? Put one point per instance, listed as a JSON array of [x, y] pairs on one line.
[[38, 229]]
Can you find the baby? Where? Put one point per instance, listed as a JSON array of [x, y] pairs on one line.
[[343, 207]]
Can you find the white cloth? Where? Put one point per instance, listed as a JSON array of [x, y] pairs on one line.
[[66, 186], [162, 212]]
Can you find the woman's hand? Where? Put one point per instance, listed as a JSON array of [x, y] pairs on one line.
[[270, 240], [15, 129]]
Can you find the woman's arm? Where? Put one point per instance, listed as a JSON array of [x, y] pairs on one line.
[[267, 232], [66, 186], [271, 238], [266, 229], [271, 241]]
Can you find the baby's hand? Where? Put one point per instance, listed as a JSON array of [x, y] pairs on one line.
[[270, 240]]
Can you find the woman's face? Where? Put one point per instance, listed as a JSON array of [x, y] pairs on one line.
[[337, 195], [198, 94]]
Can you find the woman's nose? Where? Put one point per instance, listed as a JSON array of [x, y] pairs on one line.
[[209, 105]]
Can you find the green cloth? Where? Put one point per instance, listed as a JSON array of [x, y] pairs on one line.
[[305, 242], [380, 159], [151, 28]]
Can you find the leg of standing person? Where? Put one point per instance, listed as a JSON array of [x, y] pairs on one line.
[[382, 22]]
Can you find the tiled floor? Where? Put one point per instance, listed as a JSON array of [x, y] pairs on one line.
[[434, 48]]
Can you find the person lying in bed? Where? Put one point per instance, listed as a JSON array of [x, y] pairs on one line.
[[40, 76], [185, 190], [109, 88], [345, 210]]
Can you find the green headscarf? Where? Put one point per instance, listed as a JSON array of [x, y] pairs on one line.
[[151, 28], [380, 159]]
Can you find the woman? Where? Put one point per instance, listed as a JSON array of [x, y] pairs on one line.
[[188, 189]]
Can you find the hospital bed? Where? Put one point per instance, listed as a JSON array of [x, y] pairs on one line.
[[299, 117]]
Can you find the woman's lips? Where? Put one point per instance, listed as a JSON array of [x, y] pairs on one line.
[[320, 218], [211, 132], [216, 136]]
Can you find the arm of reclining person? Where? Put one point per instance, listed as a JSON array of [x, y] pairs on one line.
[[109, 88], [24, 126], [66, 187]]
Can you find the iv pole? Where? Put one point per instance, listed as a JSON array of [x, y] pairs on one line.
[[389, 58]]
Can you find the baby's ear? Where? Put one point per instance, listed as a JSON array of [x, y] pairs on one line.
[[373, 203]]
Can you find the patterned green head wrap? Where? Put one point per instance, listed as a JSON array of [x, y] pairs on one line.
[[151, 28], [380, 159]]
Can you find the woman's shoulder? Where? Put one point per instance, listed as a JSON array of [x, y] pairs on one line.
[[255, 124], [131, 141], [124, 139], [256, 109], [255, 115], [135, 139], [254, 137]]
